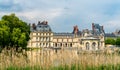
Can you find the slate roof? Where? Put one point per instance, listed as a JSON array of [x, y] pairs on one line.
[[63, 34], [42, 27], [110, 35]]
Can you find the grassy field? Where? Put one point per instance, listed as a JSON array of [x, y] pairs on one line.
[[60, 60]]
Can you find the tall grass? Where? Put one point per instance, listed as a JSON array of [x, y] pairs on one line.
[[66, 67], [62, 60]]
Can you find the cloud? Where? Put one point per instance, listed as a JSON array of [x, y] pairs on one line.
[[36, 15], [64, 14], [9, 6]]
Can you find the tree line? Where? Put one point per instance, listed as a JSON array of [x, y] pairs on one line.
[[113, 41], [14, 33]]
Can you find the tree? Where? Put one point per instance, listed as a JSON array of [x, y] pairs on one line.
[[13, 32], [15, 36], [21, 41], [4, 34], [118, 41], [110, 41]]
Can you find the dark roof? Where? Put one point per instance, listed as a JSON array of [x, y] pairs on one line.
[[63, 34], [110, 35], [98, 29], [42, 27]]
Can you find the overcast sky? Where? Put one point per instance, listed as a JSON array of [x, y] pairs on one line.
[[62, 15]]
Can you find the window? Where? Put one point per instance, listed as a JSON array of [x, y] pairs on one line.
[[93, 45], [87, 46], [43, 44], [47, 38], [80, 42], [66, 44], [36, 38], [70, 44], [40, 44], [55, 44], [45, 34], [36, 44], [51, 34], [62, 40], [34, 33], [44, 39], [60, 44], [41, 39], [41, 34], [47, 44]]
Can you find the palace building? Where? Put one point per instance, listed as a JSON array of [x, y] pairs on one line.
[[42, 36]]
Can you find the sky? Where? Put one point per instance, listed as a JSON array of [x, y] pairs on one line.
[[62, 15]]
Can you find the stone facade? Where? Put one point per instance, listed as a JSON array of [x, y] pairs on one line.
[[42, 36]]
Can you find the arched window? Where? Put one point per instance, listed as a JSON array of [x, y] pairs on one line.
[[70, 44], [87, 46], [55, 44], [66, 44], [93, 45], [60, 44]]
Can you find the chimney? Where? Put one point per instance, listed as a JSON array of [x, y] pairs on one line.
[[39, 22], [75, 30], [46, 22], [34, 26]]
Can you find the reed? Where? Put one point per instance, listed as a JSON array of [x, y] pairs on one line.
[[62, 60]]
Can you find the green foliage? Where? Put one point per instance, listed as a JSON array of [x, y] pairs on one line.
[[110, 41], [118, 41], [73, 67], [113, 41], [15, 35], [4, 34], [22, 41], [13, 32]]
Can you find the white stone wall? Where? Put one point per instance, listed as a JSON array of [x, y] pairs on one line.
[[38, 39]]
